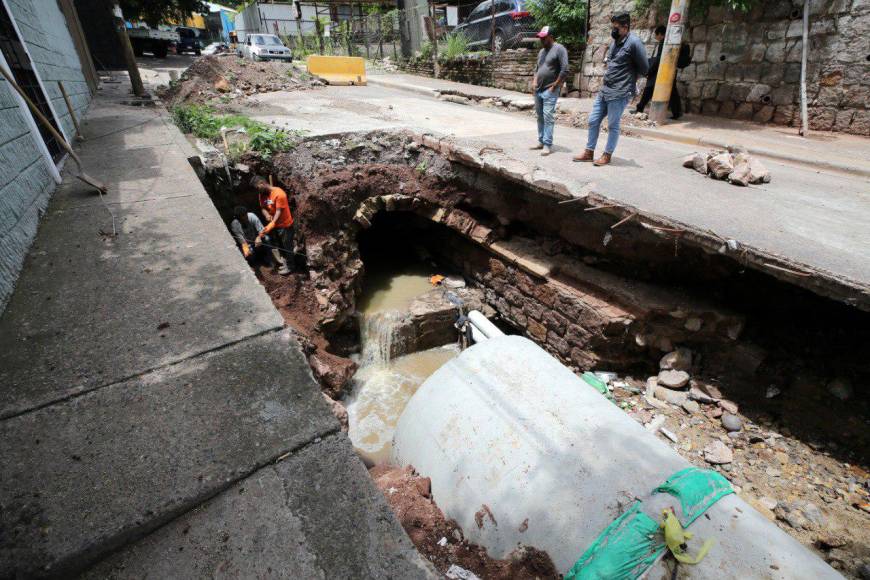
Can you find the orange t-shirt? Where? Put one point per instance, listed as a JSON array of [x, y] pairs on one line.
[[277, 199]]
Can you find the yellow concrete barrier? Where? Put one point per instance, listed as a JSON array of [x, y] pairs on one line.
[[338, 70]]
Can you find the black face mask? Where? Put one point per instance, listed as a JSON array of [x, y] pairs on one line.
[[614, 33]]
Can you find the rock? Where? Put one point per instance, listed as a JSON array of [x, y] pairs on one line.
[[673, 379], [718, 453], [762, 509], [721, 165], [812, 513], [794, 519], [864, 571], [716, 412], [691, 407], [740, 175], [732, 422], [782, 458], [672, 397], [768, 502], [758, 173], [729, 406], [697, 162], [678, 360], [221, 85], [338, 410], [694, 324], [840, 388]]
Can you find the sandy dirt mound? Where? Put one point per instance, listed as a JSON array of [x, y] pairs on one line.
[[218, 78], [410, 497]]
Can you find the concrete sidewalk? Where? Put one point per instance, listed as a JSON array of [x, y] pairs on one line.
[[820, 150], [154, 406]]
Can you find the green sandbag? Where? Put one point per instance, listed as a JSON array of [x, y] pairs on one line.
[[623, 551], [697, 489]]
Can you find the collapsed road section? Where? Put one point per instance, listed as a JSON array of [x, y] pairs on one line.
[[737, 383]]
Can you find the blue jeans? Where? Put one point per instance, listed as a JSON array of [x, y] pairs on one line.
[[545, 107], [613, 109]]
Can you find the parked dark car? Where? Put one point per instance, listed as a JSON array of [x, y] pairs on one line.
[[188, 41], [514, 25]]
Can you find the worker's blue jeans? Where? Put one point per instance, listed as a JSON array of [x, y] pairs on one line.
[[613, 110], [545, 107]]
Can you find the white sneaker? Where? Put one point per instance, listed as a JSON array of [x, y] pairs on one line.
[[537, 147], [284, 270], [546, 151]]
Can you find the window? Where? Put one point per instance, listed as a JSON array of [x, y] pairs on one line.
[[482, 9], [22, 70], [259, 41]]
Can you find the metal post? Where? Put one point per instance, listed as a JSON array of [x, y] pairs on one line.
[[435, 66], [492, 26], [804, 50], [668, 60], [380, 37]]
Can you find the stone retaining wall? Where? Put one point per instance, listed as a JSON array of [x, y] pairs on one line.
[[511, 69], [747, 66]]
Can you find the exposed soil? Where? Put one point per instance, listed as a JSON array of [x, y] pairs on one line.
[[410, 497], [802, 451], [219, 79]]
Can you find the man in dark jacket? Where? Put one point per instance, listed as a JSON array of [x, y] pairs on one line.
[[675, 103], [626, 60]]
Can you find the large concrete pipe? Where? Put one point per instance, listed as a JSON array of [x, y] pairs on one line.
[[521, 451]]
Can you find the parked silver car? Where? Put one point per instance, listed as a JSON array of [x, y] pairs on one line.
[[264, 47]]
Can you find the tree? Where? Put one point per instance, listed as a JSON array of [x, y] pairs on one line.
[[155, 12], [566, 19]]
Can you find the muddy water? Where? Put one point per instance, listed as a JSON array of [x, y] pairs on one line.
[[391, 292], [383, 386]]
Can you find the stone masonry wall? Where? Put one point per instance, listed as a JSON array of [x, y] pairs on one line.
[[25, 180], [747, 66], [511, 69]]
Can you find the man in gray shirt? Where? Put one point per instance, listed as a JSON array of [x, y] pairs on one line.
[[626, 60], [550, 74]]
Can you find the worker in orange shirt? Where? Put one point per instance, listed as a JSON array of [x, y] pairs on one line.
[[276, 210]]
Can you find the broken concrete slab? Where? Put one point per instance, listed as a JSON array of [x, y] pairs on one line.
[[315, 514], [170, 286], [87, 475]]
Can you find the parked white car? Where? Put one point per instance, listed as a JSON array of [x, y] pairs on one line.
[[264, 47]]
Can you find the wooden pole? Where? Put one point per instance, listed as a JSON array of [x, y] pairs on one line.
[[804, 50], [72, 113], [668, 60], [127, 49]]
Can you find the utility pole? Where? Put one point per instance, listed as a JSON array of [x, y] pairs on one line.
[[668, 60], [127, 49]]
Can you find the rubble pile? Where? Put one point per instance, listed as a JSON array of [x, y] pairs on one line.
[[441, 541], [734, 165], [802, 484], [221, 78]]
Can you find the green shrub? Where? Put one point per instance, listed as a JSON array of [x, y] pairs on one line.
[[455, 45], [201, 120], [566, 19]]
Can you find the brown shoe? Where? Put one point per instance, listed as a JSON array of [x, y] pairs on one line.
[[603, 160], [588, 155]]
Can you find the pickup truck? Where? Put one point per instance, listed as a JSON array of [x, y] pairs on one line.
[[156, 42]]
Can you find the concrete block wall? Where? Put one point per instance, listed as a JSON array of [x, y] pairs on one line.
[[26, 183], [511, 69], [44, 30], [747, 66]]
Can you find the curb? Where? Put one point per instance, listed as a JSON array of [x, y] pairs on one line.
[[760, 151], [373, 80]]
